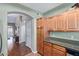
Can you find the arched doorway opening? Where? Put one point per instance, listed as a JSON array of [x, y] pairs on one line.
[[19, 33]]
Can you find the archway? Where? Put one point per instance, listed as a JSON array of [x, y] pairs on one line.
[[28, 28]]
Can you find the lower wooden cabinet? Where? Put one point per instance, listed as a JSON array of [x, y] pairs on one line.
[[59, 48], [53, 50], [47, 49], [56, 52]]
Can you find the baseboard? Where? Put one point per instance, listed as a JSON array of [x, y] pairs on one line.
[[21, 41], [34, 51]]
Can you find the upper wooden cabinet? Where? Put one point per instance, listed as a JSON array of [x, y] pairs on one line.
[[61, 23], [77, 18], [71, 21], [68, 21], [52, 23]]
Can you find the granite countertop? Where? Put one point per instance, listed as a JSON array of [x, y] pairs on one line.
[[63, 42]]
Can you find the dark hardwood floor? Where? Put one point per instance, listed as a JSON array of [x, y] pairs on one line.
[[16, 49]]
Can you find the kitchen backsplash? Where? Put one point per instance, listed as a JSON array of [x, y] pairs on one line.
[[66, 35]]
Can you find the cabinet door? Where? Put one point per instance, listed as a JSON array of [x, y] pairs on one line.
[[71, 19], [39, 22], [53, 23], [47, 49], [59, 48], [50, 23], [77, 17], [61, 23], [40, 39], [57, 52]]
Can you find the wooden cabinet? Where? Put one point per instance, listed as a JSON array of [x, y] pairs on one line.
[[54, 50], [71, 19], [47, 49], [77, 18], [40, 39], [52, 23], [57, 52], [68, 21], [59, 48], [61, 23], [41, 34]]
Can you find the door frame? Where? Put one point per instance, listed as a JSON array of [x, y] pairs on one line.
[[34, 49]]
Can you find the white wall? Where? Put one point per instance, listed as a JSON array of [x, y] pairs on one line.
[[0, 27], [22, 33], [26, 32], [4, 33], [22, 30], [29, 34], [59, 9], [34, 35]]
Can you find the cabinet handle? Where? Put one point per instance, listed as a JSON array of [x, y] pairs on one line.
[[39, 27]]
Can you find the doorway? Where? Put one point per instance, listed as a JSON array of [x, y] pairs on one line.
[[10, 36], [19, 34]]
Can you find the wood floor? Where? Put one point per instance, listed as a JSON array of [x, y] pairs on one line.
[[16, 49], [33, 54]]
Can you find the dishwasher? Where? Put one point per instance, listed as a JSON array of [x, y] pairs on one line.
[[72, 52]]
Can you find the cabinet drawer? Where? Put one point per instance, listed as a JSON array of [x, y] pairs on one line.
[[59, 48], [47, 43], [56, 52]]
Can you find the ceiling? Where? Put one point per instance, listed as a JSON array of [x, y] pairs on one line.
[[12, 18], [41, 7]]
